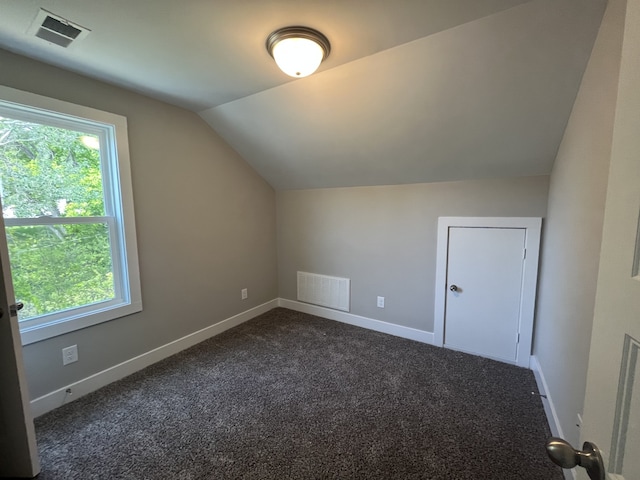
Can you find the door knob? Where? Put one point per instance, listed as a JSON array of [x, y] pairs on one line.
[[564, 455], [453, 288], [16, 307]]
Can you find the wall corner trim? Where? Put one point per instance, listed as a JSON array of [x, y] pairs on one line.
[[57, 398], [358, 321], [547, 403]]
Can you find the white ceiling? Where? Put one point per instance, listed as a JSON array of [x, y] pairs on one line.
[[413, 91]]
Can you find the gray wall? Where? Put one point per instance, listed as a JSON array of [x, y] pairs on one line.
[[384, 238], [205, 224], [572, 237]]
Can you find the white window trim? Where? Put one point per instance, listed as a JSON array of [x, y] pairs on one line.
[[117, 188]]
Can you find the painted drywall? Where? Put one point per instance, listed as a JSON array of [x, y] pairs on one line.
[[487, 99], [384, 238], [573, 232], [205, 225]]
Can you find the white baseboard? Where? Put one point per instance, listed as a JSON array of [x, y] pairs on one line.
[[358, 321], [549, 409], [57, 398]]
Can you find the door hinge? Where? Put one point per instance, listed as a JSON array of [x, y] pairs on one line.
[[524, 253], [518, 338]]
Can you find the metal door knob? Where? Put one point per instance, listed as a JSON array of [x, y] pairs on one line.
[[564, 455], [453, 288], [16, 307]]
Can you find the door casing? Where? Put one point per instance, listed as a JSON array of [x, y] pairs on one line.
[[532, 226]]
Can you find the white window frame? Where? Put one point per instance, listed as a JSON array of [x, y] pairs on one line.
[[111, 129]]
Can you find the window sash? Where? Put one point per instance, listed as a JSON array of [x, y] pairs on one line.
[[111, 129], [106, 133], [47, 220], [121, 293]]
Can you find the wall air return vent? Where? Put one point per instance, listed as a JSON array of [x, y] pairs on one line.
[[332, 292], [56, 29]]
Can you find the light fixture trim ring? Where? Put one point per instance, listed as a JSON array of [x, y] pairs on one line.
[[298, 32]]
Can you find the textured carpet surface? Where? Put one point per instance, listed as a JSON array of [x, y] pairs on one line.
[[293, 396]]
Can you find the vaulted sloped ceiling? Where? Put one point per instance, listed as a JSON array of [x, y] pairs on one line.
[[489, 98], [413, 91]]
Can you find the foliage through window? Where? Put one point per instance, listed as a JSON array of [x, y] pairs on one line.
[[50, 173], [64, 217]]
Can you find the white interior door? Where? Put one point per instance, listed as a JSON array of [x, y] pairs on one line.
[[18, 451], [612, 401], [484, 289], [491, 311]]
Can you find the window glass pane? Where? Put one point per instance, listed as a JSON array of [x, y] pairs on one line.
[[49, 171], [57, 267]]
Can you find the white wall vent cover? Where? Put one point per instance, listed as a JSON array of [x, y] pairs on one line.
[[56, 29], [332, 292]]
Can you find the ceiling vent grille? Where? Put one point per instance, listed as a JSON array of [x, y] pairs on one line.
[[56, 29]]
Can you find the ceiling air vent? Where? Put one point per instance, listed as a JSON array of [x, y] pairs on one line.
[[56, 29]]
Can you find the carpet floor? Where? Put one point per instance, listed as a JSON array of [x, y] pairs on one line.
[[293, 396]]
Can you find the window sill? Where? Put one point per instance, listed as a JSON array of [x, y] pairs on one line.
[[69, 324]]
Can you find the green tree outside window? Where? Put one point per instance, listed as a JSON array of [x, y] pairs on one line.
[[53, 174]]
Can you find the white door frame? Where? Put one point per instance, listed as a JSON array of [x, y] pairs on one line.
[[532, 225]]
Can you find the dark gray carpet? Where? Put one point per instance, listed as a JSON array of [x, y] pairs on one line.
[[292, 396]]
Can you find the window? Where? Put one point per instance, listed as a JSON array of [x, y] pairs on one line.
[[68, 214]]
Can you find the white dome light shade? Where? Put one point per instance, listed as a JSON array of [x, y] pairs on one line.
[[298, 57], [298, 51]]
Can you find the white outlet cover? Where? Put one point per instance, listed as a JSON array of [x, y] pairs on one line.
[[381, 302], [69, 355], [244, 294]]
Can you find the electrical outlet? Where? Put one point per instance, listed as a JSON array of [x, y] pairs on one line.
[[244, 294], [380, 302], [69, 355]]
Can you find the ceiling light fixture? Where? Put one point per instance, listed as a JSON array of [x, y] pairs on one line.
[[298, 51]]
